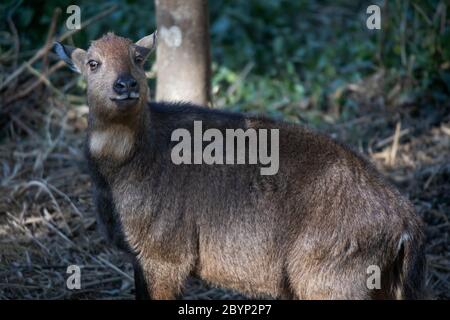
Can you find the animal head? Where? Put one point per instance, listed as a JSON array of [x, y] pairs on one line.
[[114, 69]]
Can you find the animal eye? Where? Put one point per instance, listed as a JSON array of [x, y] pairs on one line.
[[93, 64]]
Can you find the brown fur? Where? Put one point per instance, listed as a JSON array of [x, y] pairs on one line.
[[308, 232]]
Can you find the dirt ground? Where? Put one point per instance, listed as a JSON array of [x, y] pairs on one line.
[[47, 220]]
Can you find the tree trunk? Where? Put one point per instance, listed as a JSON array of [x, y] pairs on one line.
[[183, 56]]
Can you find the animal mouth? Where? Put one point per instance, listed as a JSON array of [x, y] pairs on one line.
[[126, 97]]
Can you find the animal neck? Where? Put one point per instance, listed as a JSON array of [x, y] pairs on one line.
[[116, 139]]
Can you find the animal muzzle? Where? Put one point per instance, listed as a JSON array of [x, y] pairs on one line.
[[126, 87]]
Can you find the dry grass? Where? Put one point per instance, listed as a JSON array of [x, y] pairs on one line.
[[46, 215]]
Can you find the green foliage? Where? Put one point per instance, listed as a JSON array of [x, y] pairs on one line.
[[283, 57], [133, 18], [304, 51], [420, 48]]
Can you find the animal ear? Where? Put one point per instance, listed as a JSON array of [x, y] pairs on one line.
[[144, 47], [148, 42], [74, 57]]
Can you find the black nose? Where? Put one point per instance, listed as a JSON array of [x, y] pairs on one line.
[[125, 84]]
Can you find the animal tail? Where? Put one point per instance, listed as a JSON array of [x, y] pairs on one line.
[[410, 267]]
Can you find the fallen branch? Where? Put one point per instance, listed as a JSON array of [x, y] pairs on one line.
[[395, 142]]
